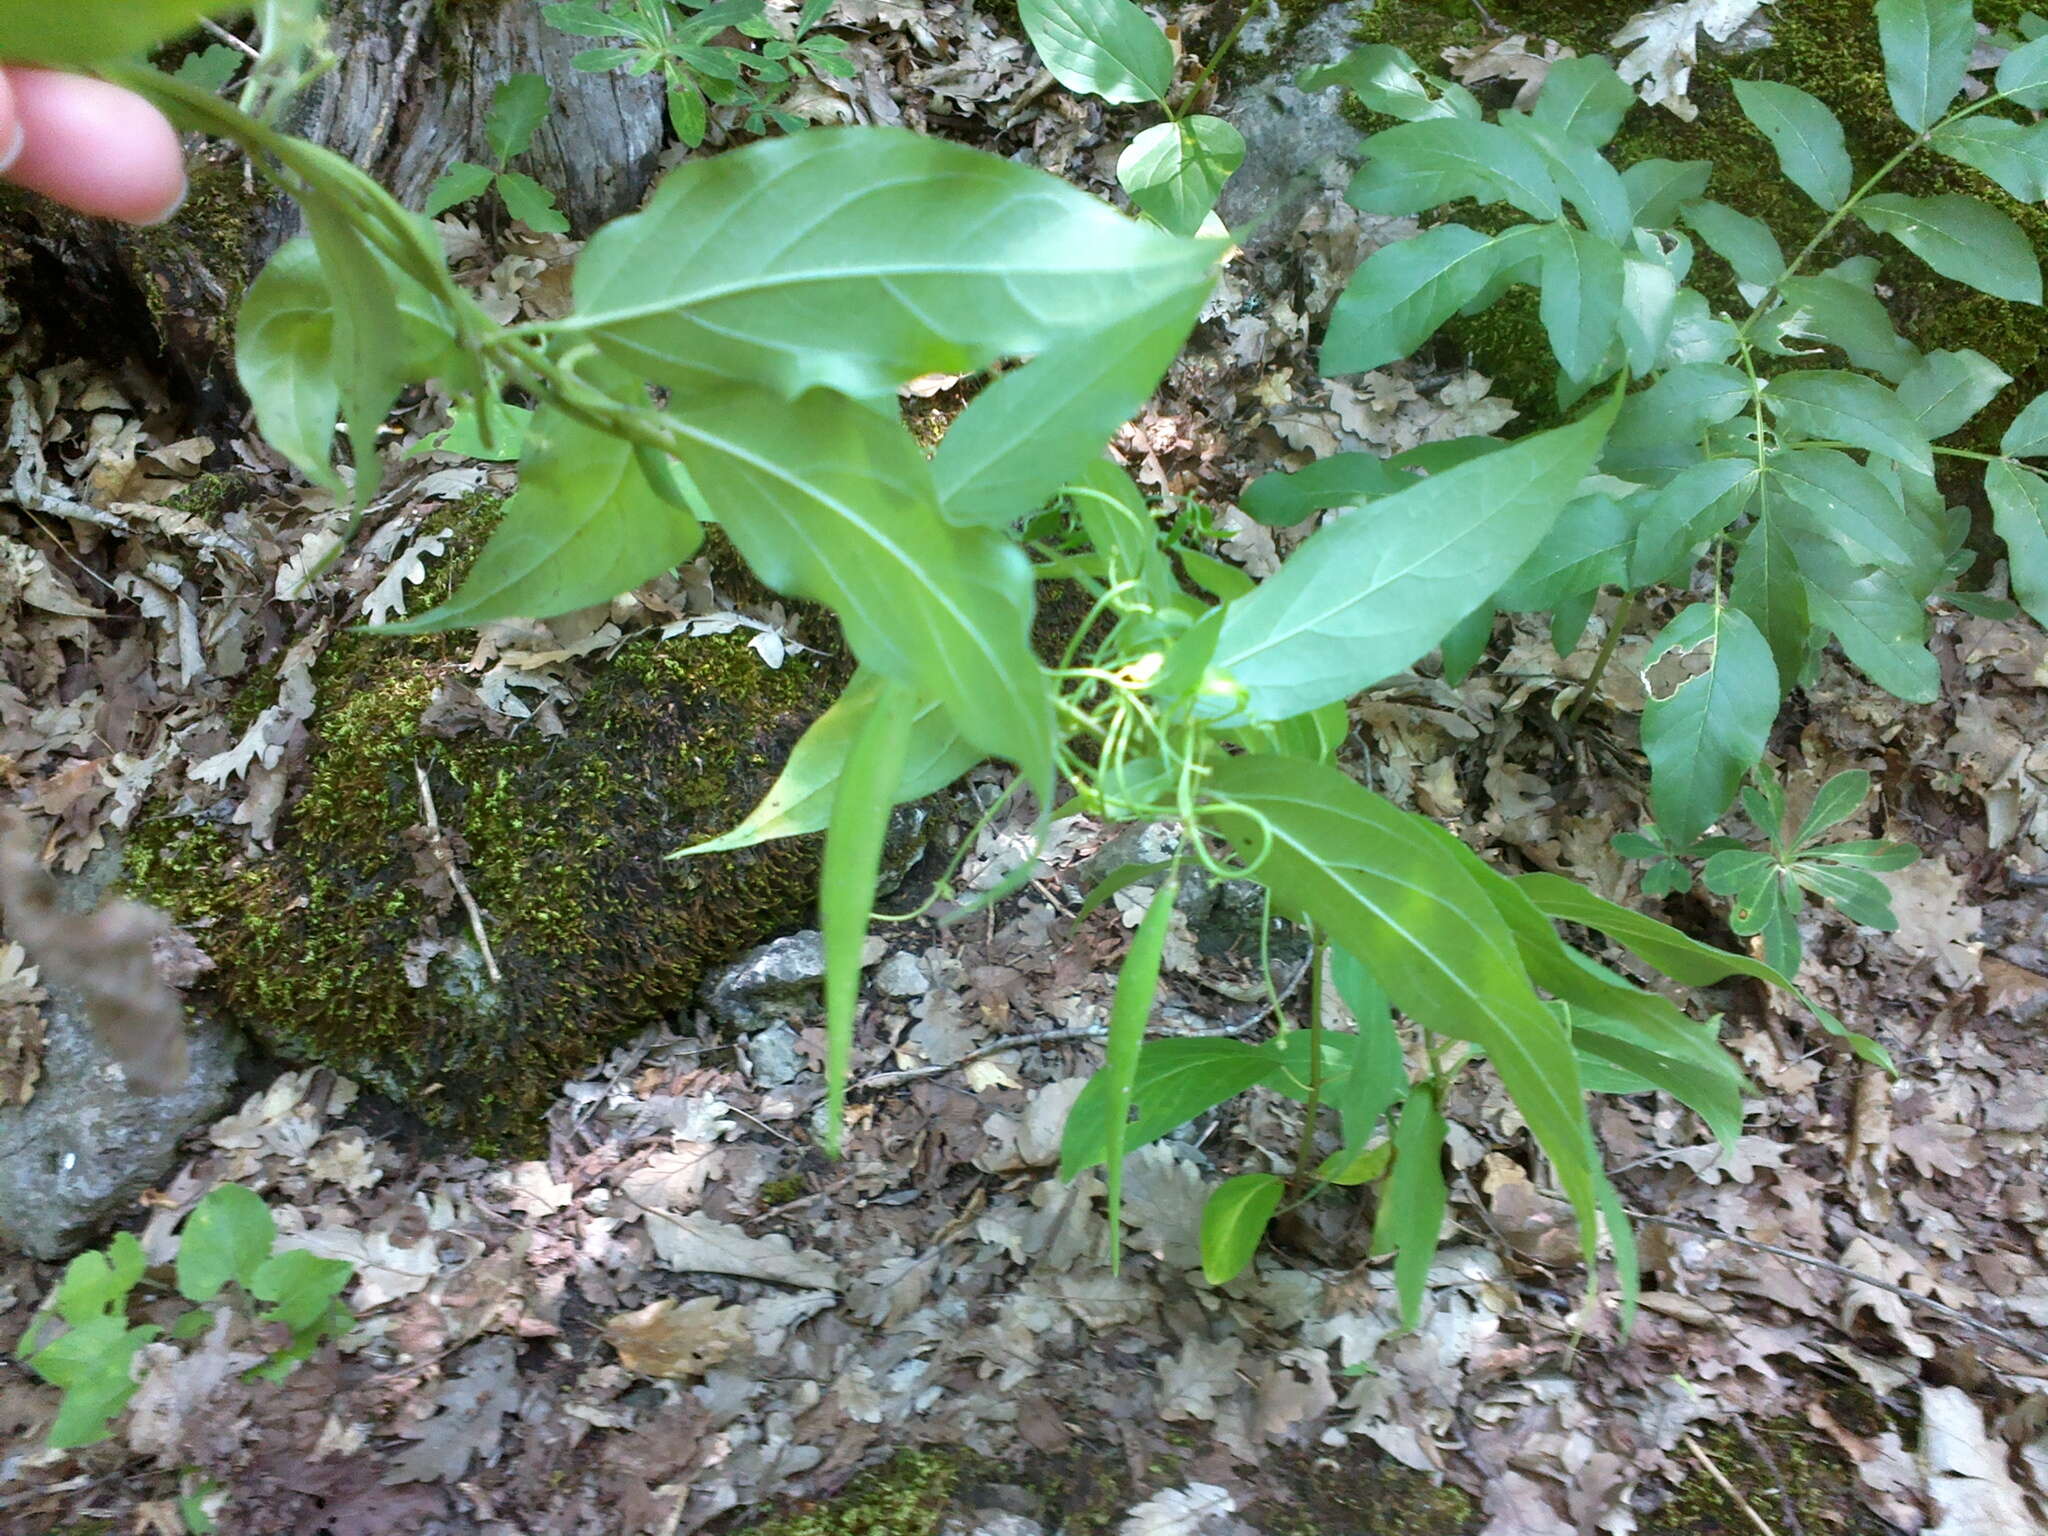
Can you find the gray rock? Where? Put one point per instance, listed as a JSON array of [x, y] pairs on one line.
[[1293, 138], [775, 983], [772, 1056], [74, 1158], [902, 975]]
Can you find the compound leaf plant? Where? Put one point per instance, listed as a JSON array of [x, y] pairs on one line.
[[733, 356]]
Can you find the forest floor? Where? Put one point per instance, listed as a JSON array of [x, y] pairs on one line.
[[681, 1314]]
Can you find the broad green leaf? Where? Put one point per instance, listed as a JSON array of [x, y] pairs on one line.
[[1841, 797], [584, 526], [300, 1287], [1176, 1081], [80, 33], [1584, 99], [460, 183], [1960, 238], [97, 1284], [1833, 498], [1106, 48], [1711, 1089], [801, 798], [1175, 171], [2019, 511], [1672, 414], [1746, 244], [1769, 588], [1137, 984], [1415, 166], [1584, 178], [1411, 1215], [482, 429], [1649, 303], [1380, 882], [1387, 81], [2027, 437], [1587, 549], [1037, 427], [518, 107], [1286, 497], [93, 1364], [1400, 295], [1858, 896], [1367, 596], [2015, 155], [859, 258], [1234, 1220], [1806, 135], [227, 1237], [1847, 315], [1880, 624], [1946, 389], [1581, 304], [531, 203], [284, 356], [1927, 46], [1698, 503], [366, 335], [1848, 408], [826, 500], [2023, 74], [1657, 189], [1465, 644], [1876, 854], [1703, 735], [1377, 1077], [846, 882]]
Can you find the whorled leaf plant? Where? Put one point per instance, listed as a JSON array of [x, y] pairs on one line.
[[733, 355]]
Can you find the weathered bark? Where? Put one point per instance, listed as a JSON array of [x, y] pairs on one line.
[[408, 97]]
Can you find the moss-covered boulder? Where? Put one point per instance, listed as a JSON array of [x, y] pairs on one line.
[[595, 932]]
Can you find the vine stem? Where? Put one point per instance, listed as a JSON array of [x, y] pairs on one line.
[[1215, 59], [1305, 1151], [1623, 616]]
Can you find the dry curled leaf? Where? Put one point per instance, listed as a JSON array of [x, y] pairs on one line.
[[677, 1341]]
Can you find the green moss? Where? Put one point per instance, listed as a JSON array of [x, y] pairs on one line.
[[783, 1190], [215, 494], [596, 932], [1827, 47], [905, 1496], [214, 227], [1360, 1491], [1818, 1478]]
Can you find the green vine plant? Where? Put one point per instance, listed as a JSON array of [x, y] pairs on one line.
[[1769, 886], [226, 1265], [1782, 459], [1174, 171], [733, 355], [680, 40], [518, 107]]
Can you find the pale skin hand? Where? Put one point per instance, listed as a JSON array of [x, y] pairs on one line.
[[89, 145]]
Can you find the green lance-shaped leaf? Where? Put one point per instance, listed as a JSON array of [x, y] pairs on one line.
[[2027, 437], [1370, 594], [1848, 315], [1880, 621], [1927, 46], [1769, 588], [1847, 407], [803, 794], [1583, 99], [1387, 81], [1376, 1077], [1685, 960], [1960, 238], [1835, 802], [1746, 244], [1946, 389], [1137, 984], [1711, 1089], [1380, 882], [284, 356], [2015, 155], [1402, 292], [584, 526], [1419, 165], [227, 1237], [846, 883], [1581, 304], [1657, 189], [518, 108], [1040, 426], [87, 32], [1174, 172], [1806, 135], [825, 499], [1584, 178], [1411, 1214], [1698, 503], [1106, 48], [1234, 1219], [1588, 548], [1833, 499], [2019, 511], [1176, 1080], [2023, 74], [858, 258], [1703, 735]]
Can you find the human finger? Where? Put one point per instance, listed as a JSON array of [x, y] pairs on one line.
[[91, 146]]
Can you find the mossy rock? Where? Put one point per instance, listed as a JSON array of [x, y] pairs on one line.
[[596, 932], [1826, 47]]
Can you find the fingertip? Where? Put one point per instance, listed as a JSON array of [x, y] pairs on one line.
[[95, 147], [13, 137]]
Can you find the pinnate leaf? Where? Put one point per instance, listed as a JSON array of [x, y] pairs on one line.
[[1927, 46], [1806, 135], [2019, 511], [1961, 238], [1106, 48], [1704, 734]]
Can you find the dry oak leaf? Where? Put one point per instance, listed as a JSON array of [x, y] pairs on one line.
[[677, 1341], [698, 1244]]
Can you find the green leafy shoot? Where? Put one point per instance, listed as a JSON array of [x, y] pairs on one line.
[[518, 108]]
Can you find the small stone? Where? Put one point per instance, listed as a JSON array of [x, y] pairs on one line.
[[902, 975], [773, 1057], [776, 983]]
